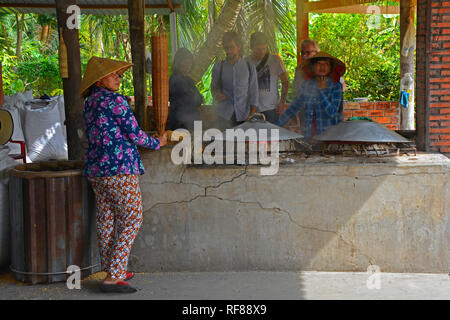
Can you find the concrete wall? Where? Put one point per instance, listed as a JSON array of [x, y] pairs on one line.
[[319, 213]]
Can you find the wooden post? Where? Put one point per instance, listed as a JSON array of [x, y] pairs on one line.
[[137, 37], [407, 63], [71, 86], [302, 26], [2, 96]]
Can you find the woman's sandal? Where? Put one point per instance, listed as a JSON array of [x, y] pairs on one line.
[[118, 287], [129, 276]]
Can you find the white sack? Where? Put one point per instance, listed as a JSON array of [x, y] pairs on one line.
[[43, 133]]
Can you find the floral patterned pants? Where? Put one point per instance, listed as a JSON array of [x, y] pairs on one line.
[[119, 217]]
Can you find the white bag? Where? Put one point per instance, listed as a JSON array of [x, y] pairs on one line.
[[43, 133]]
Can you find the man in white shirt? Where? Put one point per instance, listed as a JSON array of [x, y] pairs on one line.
[[269, 68], [233, 84]]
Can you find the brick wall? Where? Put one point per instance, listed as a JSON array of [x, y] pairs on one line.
[[385, 112], [433, 75]]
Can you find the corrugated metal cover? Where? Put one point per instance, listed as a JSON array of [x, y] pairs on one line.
[[98, 7]]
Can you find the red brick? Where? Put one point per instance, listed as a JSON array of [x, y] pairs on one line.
[[439, 92], [441, 66], [444, 73], [360, 113], [383, 105], [445, 124], [445, 150], [440, 38], [351, 105], [440, 11], [444, 136], [444, 111], [440, 117], [390, 113], [440, 130], [383, 120], [367, 105], [441, 143], [392, 126], [347, 113], [440, 25], [440, 53], [436, 59], [434, 137], [394, 120], [376, 113], [444, 98], [440, 105]]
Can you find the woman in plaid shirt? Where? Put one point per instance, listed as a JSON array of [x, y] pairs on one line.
[[320, 95]]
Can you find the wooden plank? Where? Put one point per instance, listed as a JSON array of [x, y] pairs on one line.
[[16, 212], [56, 228], [35, 230]]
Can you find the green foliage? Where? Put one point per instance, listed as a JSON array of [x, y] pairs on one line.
[[372, 56]]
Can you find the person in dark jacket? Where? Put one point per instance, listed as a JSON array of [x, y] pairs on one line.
[[184, 96]]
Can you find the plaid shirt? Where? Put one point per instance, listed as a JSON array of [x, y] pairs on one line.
[[324, 102]]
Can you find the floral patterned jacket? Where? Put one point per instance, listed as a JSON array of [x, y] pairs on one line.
[[113, 136]]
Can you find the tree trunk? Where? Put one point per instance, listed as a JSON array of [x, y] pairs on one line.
[[19, 34], [407, 12], [212, 45], [44, 34], [8, 47]]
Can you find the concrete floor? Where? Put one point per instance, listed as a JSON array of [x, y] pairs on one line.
[[256, 285]]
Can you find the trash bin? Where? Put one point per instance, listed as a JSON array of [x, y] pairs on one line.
[[52, 215], [5, 243]]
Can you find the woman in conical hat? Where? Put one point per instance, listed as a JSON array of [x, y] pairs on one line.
[[112, 166], [319, 96]]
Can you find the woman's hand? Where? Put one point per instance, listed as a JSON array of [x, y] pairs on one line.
[[322, 80], [162, 139]]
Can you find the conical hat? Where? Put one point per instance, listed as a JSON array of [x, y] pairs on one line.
[[6, 126], [98, 68], [338, 66]]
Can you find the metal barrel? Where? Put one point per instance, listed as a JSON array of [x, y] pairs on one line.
[[52, 216]]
